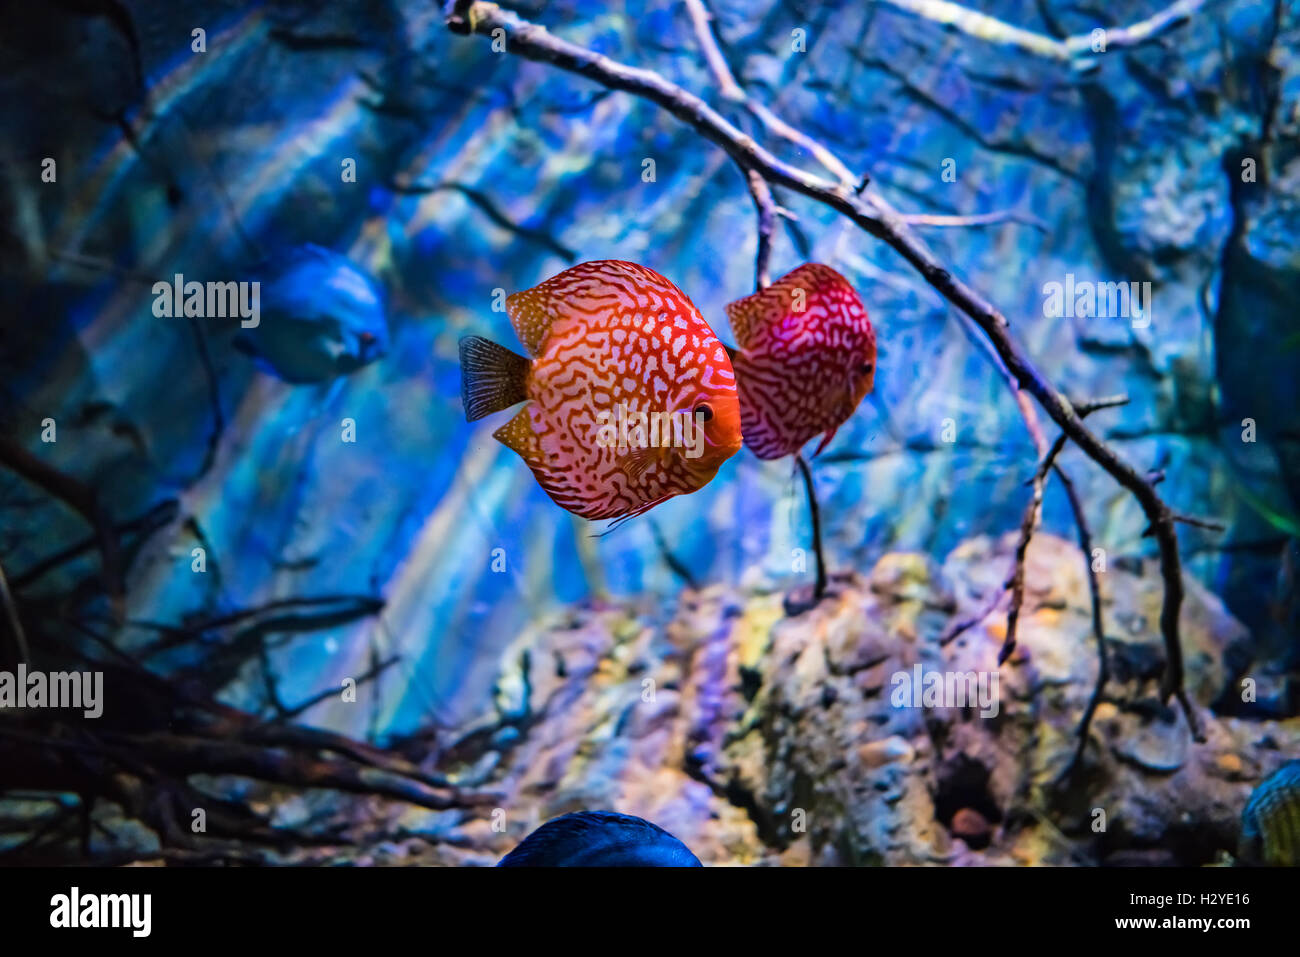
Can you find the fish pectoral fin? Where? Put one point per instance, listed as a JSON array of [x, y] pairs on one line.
[[826, 439], [518, 435], [636, 462], [492, 377]]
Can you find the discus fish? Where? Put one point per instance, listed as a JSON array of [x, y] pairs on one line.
[[807, 357], [321, 317], [630, 397], [600, 839], [1270, 823]]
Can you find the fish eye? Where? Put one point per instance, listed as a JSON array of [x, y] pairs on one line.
[[704, 412], [866, 368]]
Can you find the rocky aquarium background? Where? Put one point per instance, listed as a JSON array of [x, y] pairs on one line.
[[501, 650]]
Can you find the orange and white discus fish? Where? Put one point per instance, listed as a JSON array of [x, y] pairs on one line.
[[807, 358], [631, 398]]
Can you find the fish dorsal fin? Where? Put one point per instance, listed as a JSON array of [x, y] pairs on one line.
[[749, 316], [518, 434], [581, 292], [532, 313]]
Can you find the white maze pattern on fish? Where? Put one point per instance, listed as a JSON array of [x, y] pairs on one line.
[[627, 337], [800, 374]]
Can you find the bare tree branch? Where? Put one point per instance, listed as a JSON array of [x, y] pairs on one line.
[[984, 27], [143, 525], [83, 500], [767, 211], [1033, 512], [1098, 630], [1016, 583], [489, 208], [731, 90], [973, 219], [726, 81], [872, 213], [11, 616]]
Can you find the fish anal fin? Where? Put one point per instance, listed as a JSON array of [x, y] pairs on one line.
[[518, 435], [492, 377]]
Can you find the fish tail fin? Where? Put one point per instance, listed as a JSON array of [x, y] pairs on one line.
[[491, 377]]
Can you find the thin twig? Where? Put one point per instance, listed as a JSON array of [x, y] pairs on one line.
[[15, 623], [1098, 630], [1213, 524], [961, 627], [214, 399], [489, 208], [1016, 583], [146, 524], [819, 589], [731, 90], [767, 211], [973, 219], [83, 500], [675, 564]]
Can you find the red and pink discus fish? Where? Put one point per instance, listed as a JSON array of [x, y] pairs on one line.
[[631, 398], [807, 358]]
